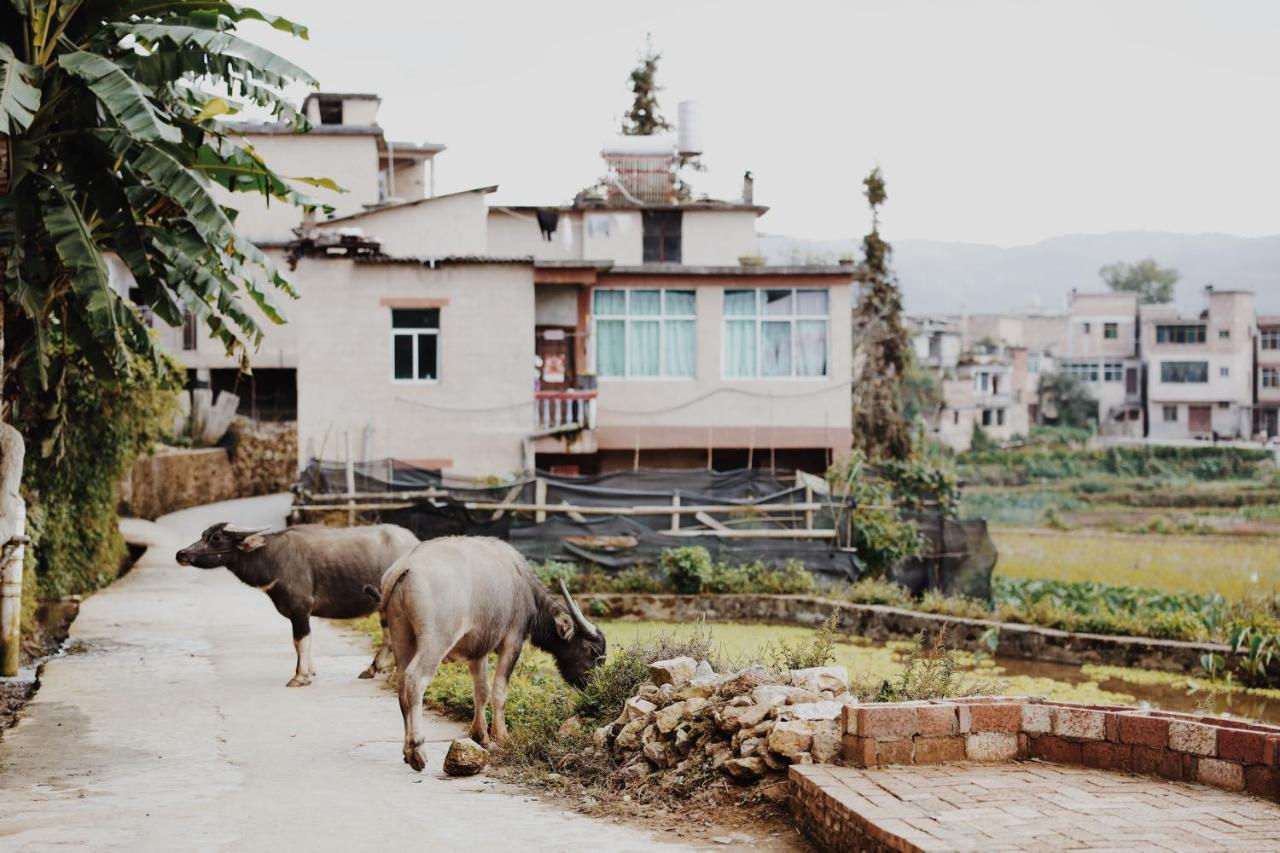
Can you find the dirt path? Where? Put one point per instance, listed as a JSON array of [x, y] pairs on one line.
[[170, 728]]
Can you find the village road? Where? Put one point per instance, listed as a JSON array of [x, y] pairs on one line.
[[168, 727]]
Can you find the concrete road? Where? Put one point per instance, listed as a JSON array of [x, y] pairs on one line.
[[168, 727]]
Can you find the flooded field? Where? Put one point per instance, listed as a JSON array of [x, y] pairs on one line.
[[869, 663]]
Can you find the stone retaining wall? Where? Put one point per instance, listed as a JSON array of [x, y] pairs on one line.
[[878, 622]]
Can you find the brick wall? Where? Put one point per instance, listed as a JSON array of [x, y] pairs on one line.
[[1223, 753]]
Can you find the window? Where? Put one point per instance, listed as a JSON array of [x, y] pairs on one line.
[[1111, 331], [999, 417], [1180, 334], [1088, 327], [1113, 371], [987, 415], [1271, 377], [190, 338], [955, 417], [661, 236], [775, 333], [644, 332], [1224, 334], [1224, 372], [1224, 405], [415, 344], [982, 382], [1171, 414], [1085, 371], [1270, 338], [330, 110], [1184, 371], [1033, 361]]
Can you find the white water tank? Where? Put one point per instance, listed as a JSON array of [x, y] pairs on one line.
[[689, 128]]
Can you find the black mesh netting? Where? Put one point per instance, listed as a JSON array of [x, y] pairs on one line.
[[958, 556]]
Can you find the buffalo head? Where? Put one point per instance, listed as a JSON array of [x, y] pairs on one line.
[[582, 647], [219, 544]]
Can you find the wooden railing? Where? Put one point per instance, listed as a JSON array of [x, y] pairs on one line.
[[555, 410]]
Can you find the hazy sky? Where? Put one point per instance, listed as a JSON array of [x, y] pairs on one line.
[[995, 122]]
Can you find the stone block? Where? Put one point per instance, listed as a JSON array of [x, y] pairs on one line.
[[669, 717], [887, 721], [826, 742], [811, 711], [1242, 746], [791, 737], [1078, 723], [1227, 775], [1157, 762], [939, 750], [849, 720], [819, 678], [1140, 730], [1195, 738], [637, 708], [1035, 719], [673, 671], [991, 746], [937, 721], [1262, 781], [1104, 755], [895, 751], [465, 758], [858, 751], [1055, 749], [744, 769], [1003, 717]]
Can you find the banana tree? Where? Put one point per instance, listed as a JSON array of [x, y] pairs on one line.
[[110, 114]]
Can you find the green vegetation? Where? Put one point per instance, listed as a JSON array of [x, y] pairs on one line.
[[683, 570], [1047, 464], [75, 544], [1066, 402], [1150, 281]]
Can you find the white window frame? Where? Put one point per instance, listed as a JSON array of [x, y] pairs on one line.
[[1085, 371], [627, 317], [1170, 410], [1112, 371], [1269, 339], [761, 318], [412, 333], [1271, 377]]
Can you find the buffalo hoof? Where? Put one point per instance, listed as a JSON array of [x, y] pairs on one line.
[[368, 673], [299, 681], [481, 737], [416, 760]]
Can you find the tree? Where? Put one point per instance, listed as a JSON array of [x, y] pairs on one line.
[[110, 107], [643, 119], [881, 348], [1152, 282], [1065, 401]]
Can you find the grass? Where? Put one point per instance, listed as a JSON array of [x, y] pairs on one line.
[[1232, 566]]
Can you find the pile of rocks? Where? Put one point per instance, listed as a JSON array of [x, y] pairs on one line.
[[747, 724]]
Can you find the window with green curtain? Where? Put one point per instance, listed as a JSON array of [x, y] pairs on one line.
[[740, 349], [645, 332], [775, 348]]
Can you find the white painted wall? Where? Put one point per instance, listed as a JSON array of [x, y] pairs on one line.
[[437, 227], [476, 413], [718, 238]]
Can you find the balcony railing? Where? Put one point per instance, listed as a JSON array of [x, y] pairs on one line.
[[564, 410]]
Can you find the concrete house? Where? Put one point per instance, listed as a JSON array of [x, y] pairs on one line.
[[631, 326], [1200, 369], [1102, 351], [1266, 422]]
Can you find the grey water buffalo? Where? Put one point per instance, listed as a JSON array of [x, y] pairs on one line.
[[308, 570], [460, 598]]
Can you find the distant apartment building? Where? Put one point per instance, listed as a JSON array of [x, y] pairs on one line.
[[1154, 373], [1200, 368], [1266, 422]]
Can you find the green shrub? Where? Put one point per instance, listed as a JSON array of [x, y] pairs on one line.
[[552, 572], [687, 569], [792, 579], [931, 672], [637, 579], [878, 591], [71, 476], [953, 605], [818, 650]]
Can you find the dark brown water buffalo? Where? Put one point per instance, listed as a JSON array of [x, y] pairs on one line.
[[460, 598], [308, 570]]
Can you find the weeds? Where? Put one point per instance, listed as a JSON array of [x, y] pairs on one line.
[[931, 672], [818, 650]]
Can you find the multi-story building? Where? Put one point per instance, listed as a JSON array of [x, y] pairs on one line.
[[1266, 422], [1102, 351], [1200, 369]]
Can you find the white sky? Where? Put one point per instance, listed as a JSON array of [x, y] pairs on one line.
[[995, 122]]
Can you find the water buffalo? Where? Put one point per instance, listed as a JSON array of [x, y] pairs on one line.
[[308, 570], [460, 598]]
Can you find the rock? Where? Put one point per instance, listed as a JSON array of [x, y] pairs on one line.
[[602, 735], [820, 678], [777, 793], [629, 737], [704, 671], [827, 695], [736, 717], [695, 706], [790, 738], [826, 742], [802, 758], [719, 755], [781, 694], [669, 717], [465, 758], [635, 772], [745, 681], [762, 729], [648, 692], [744, 769], [749, 746], [740, 701], [637, 708], [811, 711], [696, 689], [656, 751], [673, 671], [774, 762], [666, 694], [682, 743], [571, 727]]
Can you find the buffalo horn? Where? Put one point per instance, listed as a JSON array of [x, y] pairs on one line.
[[576, 612], [245, 531]]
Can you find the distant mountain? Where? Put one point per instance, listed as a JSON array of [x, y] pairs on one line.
[[945, 278]]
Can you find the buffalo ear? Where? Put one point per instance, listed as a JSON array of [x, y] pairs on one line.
[[564, 626], [252, 542]]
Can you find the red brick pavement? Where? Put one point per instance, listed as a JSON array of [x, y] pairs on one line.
[[1026, 805]]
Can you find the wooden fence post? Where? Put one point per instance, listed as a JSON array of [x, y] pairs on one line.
[[675, 516], [540, 499]]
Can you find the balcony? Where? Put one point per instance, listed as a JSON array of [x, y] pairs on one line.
[[564, 411]]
